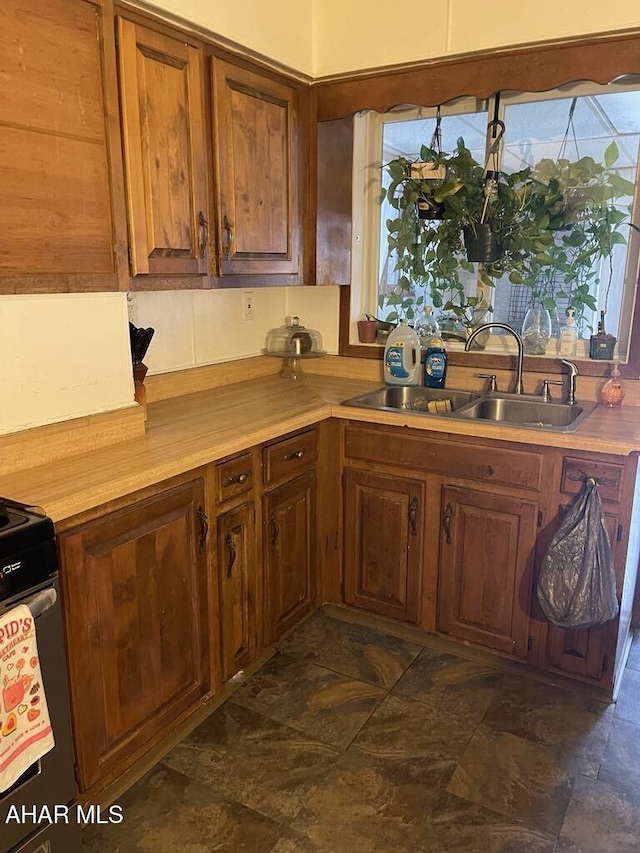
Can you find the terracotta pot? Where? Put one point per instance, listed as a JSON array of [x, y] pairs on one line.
[[367, 330]]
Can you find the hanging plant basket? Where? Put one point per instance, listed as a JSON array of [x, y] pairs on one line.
[[481, 244], [429, 209]]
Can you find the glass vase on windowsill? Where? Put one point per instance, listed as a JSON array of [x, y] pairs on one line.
[[536, 330]]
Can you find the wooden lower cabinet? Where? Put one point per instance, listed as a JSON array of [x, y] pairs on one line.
[[238, 587], [485, 570], [587, 652], [384, 521], [135, 603], [579, 652], [289, 548]]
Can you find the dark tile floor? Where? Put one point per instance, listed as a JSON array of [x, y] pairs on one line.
[[352, 741]]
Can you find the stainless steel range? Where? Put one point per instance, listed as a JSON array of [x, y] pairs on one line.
[[29, 575]]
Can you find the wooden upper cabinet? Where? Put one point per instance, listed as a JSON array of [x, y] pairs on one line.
[[255, 132], [62, 224], [486, 558], [164, 151]]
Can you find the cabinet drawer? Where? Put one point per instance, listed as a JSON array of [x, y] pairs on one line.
[[287, 457], [608, 475], [234, 477], [503, 466]]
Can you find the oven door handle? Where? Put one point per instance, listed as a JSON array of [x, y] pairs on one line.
[[40, 603]]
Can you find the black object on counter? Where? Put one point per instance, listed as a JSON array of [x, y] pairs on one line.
[[140, 340]]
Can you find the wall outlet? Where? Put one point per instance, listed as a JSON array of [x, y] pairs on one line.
[[247, 305]]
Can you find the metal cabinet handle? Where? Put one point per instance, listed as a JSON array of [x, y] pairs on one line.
[[226, 243], [297, 454], [241, 478], [203, 235], [204, 527], [413, 516], [446, 521], [275, 528], [231, 553], [600, 481]]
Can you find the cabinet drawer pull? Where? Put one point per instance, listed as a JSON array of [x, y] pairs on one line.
[[446, 522], [203, 235], [275, 529], [241, 478], [204, 527], [231, 553], [226, 243], [413, 516], [579, 477], [297, 454]]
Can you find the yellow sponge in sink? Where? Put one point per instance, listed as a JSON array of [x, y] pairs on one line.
[[439, 407]]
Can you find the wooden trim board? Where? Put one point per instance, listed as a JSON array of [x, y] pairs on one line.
[[49, 443]]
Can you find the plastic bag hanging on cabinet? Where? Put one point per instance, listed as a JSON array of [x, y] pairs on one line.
[[577, 582]]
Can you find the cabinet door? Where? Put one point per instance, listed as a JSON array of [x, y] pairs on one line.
[[384, 521], [255, 137], [583, 651], [238, 575], [137, 628], [289, 554], [161, 94], [485, 571], [62, 222]]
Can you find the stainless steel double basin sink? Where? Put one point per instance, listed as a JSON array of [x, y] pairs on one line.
[[521, 410]]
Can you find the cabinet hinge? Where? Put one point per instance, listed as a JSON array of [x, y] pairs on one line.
[[529, 643], [619, 533], [540, 517], [605, 663], [130, 255]]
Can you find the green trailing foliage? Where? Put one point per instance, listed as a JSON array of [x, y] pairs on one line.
[[553, 223]]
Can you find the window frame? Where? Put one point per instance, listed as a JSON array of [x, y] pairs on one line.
[[368, 179], [534, 68]]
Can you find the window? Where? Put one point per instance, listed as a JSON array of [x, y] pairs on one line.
[[573, 122]]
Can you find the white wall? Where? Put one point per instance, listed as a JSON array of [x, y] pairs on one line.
[[62, 356], [206, 327], [65, 356], [356, 34], [279, 29]]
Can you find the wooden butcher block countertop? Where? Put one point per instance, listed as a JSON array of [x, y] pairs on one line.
[[184, 433]]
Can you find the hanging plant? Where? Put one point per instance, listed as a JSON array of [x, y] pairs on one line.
[[547, 227], [432, 171]]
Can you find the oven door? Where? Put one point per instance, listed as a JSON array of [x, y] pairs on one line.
[[57, 838], [49, 781]]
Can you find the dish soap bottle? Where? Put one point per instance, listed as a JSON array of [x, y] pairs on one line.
[[435, 363], [568, 336], [402, 356], [426, 327], [612, 393]]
